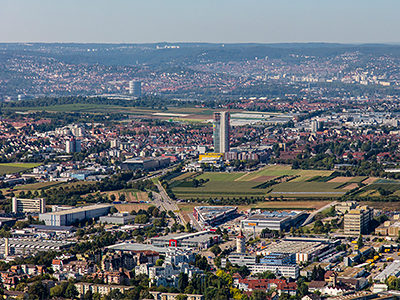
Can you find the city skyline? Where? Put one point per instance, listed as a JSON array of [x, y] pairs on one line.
[[209, 21]]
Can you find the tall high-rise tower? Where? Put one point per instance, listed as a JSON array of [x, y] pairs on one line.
[[72, 146], [135, 88], [221, 132]]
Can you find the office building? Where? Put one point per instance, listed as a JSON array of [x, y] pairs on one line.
[[286, 269], [357, 221], [74, 215], [221, 132], [345, 207], [240, 259], [72, 146], [28, 205], [135, 88]]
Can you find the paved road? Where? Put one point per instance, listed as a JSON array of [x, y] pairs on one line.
[[312, 215], [194, 223], [169, 204]]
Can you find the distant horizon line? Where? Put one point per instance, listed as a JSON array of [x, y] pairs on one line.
[[210, 43]]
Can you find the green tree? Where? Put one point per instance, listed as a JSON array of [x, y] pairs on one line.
[[183, 281], [141, 219], [360, 242], [37, 291], [56, 291], [258, 295], [71, 291]]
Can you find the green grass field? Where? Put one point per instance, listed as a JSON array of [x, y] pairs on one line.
[[240, 184], [225, 177], [37, 186], [10, 168], [307, 189]]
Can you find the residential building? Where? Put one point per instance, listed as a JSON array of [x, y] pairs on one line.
[[72, 146], [221, 132], [102, 289], [135, 88], [172, 296]]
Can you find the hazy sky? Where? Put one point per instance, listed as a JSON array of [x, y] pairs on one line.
[[138, 21]]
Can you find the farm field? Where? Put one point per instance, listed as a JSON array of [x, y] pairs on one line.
[[299, 189], [131, 206], [130, 195], [10, 168], [271, 181]]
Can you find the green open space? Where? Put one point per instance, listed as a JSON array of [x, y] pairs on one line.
[[285, 182], [226, 177], [10, 168], [307, 189]]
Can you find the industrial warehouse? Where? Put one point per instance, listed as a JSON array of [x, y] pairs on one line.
[[273, 220], [11, 246], [74, 215], [200, 240]]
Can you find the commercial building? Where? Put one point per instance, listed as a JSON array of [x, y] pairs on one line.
[[72, 146], [118, 218], [304, 250], [135, 247], [273, 220], [200, 240], [357, 221], [221, 132], [279, 259], [392, 270], [138, 163], [213, 215], [135, 88], [211, 158], [20, 205], [71, 216]]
